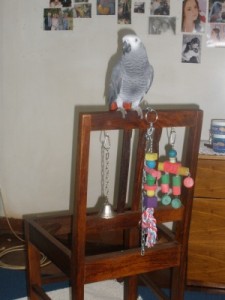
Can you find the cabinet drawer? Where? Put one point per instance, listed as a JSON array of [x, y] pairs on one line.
[[210, 179], [206, 248]]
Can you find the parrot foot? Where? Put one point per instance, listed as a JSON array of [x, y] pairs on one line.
[[123, 111], [139, 112]]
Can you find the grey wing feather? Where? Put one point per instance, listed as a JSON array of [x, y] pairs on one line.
[[115, 83], [151, 77]]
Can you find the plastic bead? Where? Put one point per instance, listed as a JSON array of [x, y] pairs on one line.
[[172, 153], [165, 188], [151, 164], [150, 187], [166, 199], [169, 167], [173, 168], [150, 193], [150, 201], [176, 180], [176, 203], [183, 171], [165, 178], [153, 172], [150, 180], [188, 182], [151, 156], [176, 190]]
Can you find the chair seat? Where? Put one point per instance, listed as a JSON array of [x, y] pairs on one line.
[[50, 229]]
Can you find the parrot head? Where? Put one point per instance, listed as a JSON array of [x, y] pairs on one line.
[[130, 43]]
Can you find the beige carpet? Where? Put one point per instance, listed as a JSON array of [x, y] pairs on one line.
[[105, 290]]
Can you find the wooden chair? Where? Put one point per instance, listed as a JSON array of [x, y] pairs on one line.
[[42, 232]]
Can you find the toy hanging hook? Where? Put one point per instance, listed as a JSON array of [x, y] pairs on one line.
[[148, 113], [172, 137], [151, 129]]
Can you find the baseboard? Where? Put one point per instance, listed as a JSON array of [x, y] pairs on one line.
[[16, 224]]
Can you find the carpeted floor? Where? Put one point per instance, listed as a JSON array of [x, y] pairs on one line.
[[13, 286]]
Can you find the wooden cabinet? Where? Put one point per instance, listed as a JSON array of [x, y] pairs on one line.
[[206, 254]]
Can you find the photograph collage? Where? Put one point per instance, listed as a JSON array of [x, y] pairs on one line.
[[199, 17]]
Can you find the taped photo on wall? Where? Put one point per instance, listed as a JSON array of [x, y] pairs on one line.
[[191, 48], [215, 35], [162, 25]]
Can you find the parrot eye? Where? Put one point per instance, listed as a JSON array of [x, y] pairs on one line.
[[136, 40]]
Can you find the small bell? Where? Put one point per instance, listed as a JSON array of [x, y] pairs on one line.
[[106, 212]]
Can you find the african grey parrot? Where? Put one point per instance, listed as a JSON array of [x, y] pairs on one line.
[[131, 77]]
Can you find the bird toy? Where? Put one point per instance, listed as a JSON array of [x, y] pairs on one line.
[[176, 170], [149, 187], [165, 172]]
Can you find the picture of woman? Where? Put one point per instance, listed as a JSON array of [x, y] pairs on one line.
[[193, 19]]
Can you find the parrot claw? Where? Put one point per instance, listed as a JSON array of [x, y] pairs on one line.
[[123, 112], [139, 112]]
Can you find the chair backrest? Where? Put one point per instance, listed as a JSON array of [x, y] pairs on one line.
[[118, 264]]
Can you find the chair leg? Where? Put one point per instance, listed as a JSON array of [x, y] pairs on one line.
[[33, 270], [131, 288], [77, 294], [77, 287], [178, 283]]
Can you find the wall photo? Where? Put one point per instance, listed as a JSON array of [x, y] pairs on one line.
[[193, 16], [216, 11], [162, 25], [139, 7], [191, 49], [60, 3], [82, 10], [124, 11], [105, 7], [160, 7], [215, 35], [58, 19]]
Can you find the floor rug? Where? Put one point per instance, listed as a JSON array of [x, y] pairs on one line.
[[13, 286], [111, 290]]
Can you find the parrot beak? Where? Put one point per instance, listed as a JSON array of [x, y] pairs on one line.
[[126, 47]]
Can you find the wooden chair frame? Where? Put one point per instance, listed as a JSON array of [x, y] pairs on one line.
[[127, 263]]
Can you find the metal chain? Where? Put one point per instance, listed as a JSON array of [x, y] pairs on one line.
[[107, 173], [142, 232], [102, 171], [105, 141], [149, 138], [149, 148], [172, 137]]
